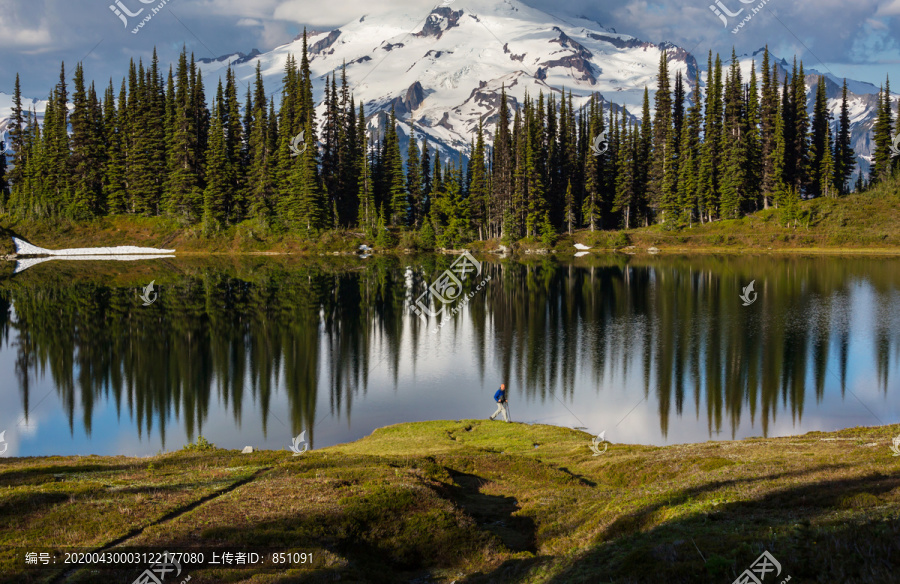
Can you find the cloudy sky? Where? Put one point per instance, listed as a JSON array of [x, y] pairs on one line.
[[856, 39]]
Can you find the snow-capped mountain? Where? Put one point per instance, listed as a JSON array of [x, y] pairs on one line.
[[443, 69], [6, 107]]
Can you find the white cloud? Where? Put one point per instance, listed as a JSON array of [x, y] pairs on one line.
[[890, 8], [22, 29]]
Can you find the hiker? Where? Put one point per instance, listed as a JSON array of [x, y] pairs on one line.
[[500, 398]]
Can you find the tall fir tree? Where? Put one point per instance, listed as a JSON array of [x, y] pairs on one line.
[[183, 193], [800, 156], [688, 163], [4, 181], [592, 207], [777, 157], [414, 178], [218, 193], [768, 110], [752, 148], [734, 166], [479, 186], [882, 130], [502, 166], [627, 162], [17, 137], [426, 176], [819, 143], [235, 147], [86, 159], [367, 214], [660, 158], [643, 163], [711, 159], [844, 156], [394, 179]]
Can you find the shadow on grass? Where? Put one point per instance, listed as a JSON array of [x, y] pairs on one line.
[[718, 546], [17, 504], [38, 475], [493, 513], [841, 530]]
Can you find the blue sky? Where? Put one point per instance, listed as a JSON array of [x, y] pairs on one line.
[[855, 40]]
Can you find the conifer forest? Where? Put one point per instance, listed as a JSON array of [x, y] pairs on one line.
[[160, 147]]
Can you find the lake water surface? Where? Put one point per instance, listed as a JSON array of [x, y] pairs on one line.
[[254, 350]]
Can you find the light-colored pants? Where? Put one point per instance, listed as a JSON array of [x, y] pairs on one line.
[[501, 407]]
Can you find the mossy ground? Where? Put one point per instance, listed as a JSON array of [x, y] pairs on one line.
[[475, 501]]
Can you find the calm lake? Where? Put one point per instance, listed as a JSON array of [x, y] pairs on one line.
[[254, 350]]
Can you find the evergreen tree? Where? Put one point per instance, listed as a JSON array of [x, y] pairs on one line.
[[752, 148], [478, 186], [147, 171], [55, 163], [570, 209], [768, 110], [535, 193], [235, 149], [426, 176], [519, 195], [882, 136], [502, 166], [678, 105], [414, 178], [844, 157], [17, 137], [642, 163], [114, 181], [625, 173], [819, 143], [574, 156], [556, 182], [260, 189], [734, 178], [348, 153], [183, 195], [4, 182], [712, 148], [826, 167], [394, 180], [86, 159], [688, 162], [661, 153], [289, 125], [24, 196], [308, 209], [450, 211], [800, 134], [330, 146], [777, 157], [367, 210], [218, 193], [592, 207]]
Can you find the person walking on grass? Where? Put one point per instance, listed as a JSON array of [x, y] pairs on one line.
[[500, 398]]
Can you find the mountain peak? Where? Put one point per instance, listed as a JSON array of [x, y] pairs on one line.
[[443, 68]]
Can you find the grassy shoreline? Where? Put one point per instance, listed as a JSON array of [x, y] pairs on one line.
[[474, 501], [865, 223], [157, 232]]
